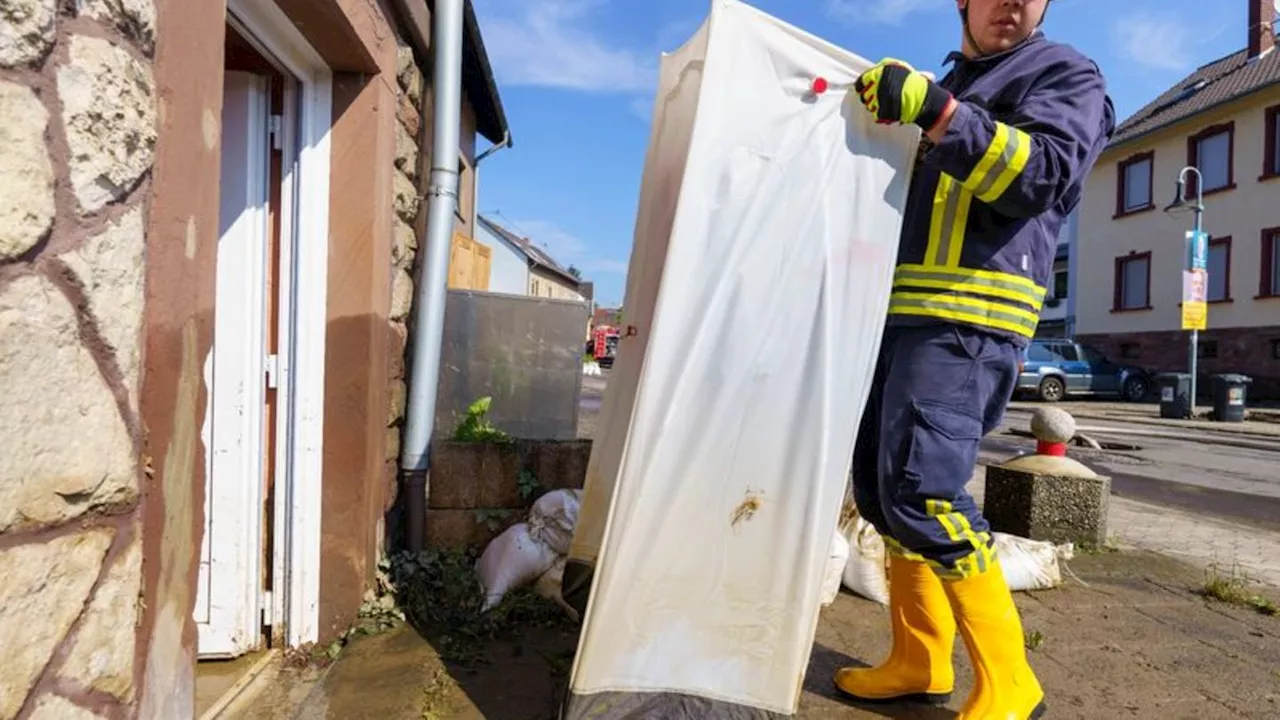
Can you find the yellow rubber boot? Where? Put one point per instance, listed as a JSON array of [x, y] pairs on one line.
[[919, 667], [1005, 686]]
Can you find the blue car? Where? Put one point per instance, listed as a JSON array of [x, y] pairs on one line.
[[1056, 369]]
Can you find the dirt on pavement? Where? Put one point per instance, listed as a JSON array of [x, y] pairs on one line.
[[1131, 638]]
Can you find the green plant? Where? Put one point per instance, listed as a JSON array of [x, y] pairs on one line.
[[1233, 589], [441, 597], [1034, 640], [474, 427], [492, 518], [529, 485]]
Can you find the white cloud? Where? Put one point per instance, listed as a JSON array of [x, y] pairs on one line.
[[550, 43], [562, 246], [608, 266], [642, 107], [887, 12], [1156, 42], [566, 248]]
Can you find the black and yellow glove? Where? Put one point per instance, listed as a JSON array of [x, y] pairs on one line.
[[895, 92]]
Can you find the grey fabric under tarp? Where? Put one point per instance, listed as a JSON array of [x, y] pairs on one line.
[[658, 706]]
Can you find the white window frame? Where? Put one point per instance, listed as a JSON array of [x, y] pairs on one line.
[[303, 299]]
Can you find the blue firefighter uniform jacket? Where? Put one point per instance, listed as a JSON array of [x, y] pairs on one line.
[[987, 202]]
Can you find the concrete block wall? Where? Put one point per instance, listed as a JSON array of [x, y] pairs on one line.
[[477, 490], [78, 132]]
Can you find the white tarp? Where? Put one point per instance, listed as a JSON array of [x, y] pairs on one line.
[[764, 251]]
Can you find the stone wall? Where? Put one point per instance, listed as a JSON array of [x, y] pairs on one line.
[[1250, 351], [77, 142], [404, 250]]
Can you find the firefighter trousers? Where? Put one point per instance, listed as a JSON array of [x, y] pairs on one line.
[[938, 390]]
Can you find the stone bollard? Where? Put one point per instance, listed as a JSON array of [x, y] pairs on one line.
[[1047, 495]]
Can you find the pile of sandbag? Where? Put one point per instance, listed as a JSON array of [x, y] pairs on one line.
[[532, 552], [857, 560]]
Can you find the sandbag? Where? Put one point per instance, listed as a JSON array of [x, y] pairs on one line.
[[553, 517], [548, 586], [864, 573], [836, 562], [512, 560], [1030, 564]]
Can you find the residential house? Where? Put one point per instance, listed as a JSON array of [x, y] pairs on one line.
[[508, 265], [520, 267], [207, 245], [1056, 316], [1223, 119]]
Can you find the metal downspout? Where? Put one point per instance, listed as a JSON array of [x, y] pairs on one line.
[[431, 291], [475, 171]]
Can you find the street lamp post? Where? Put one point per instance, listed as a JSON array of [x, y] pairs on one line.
[[1180, 204]]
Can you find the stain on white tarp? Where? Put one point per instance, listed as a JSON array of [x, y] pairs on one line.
[[764, 252]]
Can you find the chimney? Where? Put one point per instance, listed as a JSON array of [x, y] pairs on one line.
[[1262, 33]]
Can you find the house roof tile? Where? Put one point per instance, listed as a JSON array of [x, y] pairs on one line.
[[1211, 85], [535, 254]]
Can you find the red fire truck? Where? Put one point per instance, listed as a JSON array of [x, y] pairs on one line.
[[604, 344]]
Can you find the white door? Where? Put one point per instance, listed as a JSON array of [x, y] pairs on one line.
[[228, 611]]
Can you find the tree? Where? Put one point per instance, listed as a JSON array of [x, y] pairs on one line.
[[574, 271]]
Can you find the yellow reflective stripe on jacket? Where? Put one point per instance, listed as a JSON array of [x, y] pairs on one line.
[[975, 282], [1003, 161], [948, 222], [969, 310]]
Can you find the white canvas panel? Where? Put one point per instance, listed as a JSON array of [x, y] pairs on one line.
[[760, 278]]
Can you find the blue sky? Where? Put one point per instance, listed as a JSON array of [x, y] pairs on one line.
[[577, 79]]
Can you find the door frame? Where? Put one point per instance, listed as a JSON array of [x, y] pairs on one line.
[[233, 432], [304, 269]]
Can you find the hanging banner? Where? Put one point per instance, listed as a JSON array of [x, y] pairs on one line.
[[1197, 250], [1195, 308]]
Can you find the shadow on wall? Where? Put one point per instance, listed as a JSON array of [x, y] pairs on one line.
[[359, 465]]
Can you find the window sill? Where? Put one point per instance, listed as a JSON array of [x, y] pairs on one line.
[[1117, 311], [1224, 301], [1272, 296], [1135, 211], [1268, 175]]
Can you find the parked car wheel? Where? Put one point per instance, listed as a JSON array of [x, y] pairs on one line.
[[1051, 389], [1135, 389]]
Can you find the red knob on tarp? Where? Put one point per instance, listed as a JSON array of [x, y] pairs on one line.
[[819, 85]]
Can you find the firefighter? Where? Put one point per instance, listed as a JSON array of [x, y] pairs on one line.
[[1011, 132]]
